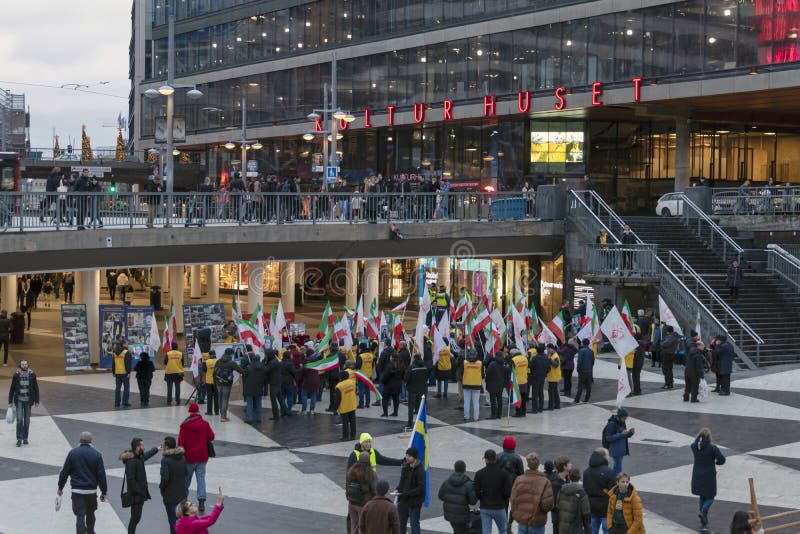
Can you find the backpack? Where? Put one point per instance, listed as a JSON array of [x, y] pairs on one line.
[[577, 525], [606, 432], [223, 375]]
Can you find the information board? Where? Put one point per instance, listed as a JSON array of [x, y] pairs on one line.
[[75, 330]]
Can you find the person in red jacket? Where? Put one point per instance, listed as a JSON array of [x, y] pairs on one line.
[[194, 435], [191, 522]]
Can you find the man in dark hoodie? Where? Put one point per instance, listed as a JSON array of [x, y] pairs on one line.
[[539, 366], [669, 349], [694, 370], [411, 490], [457, 494], [495, 384], [493, 488], [144, 377], [416, 381], [288, 385], [223, 381], [255, 382], [598, 478], [136, 479], [511, 462], [275, 379], [173, 478]]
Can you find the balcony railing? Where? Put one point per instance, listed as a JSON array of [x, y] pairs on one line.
[[623, 260], [24, 212], [785, 265]]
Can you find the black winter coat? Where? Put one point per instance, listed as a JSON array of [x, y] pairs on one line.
[[255, 379], [412, 484], [539, 365], [457, 494], [416, 378], [274, 373], [695, 364], [496, 375], [173, 476], [493, 486], [724, 353], [707, 457], [136, 476], [598, 478], [144, 368], [288, 371], [392, 380]]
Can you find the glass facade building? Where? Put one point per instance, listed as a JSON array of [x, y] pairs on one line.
[[392, 55]]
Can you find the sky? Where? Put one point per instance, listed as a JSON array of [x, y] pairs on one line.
[[52, 42]]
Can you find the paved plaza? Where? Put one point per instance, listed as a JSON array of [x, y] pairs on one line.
[[288, 476]]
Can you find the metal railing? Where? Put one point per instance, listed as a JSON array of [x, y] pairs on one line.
[[58, 211], [623, 260], [777, 200], [785, 265], [604, 213], [740, 331], [586, 219], [707, 230]]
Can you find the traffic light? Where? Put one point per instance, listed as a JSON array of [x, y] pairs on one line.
[[113, 187], [69, 149]]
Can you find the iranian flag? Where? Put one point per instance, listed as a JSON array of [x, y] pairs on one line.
[[327, 319], [667, 317], [258, 322], [697, 324], [441, 331], [170, 329], [546, 335], [368, 382], [196, 357], [513, 385], [534, 327], [372, 328], [464, 307], [591, 330], [493, 340], [481, 320], [627, 316], [236, 307], [424, 308], [248, 332], [358, 321], [348, 334], [557, 326], [397, 330], [519, 328], [401, 307], [326, 364], [451, 308], [521, 298], [339, 330]]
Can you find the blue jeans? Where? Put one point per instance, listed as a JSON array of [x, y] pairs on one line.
[[407, 512], [618, 464], [289, 392], [403, 393], [24, 420], [472, 399], [123, 382], [171, 519], [305, 396], [705, 502], [439, 383], [498, 516], [200, 470], [597, 522], [363, 394], [525, 529], [253, 405]]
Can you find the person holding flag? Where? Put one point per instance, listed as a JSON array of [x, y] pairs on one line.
[[414, 488], [173, 373], [365, 360], [519, 380]]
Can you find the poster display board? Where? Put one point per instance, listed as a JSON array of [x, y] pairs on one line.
[[197, 316], [131, 322], [75, 330]]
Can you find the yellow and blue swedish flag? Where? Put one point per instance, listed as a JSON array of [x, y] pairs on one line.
[[419, 439]]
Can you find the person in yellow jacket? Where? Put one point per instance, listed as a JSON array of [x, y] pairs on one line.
[[624, 512], [444, 369], [472, 380], [521, 369], [122, 373], [173, 373], [207, 371], [345, 404], [553, 378], [364, 363]]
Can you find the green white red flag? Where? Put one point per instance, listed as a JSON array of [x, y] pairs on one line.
[[358, 320], [481, 321], [373, 321], [557, 326], [170, 329], [516, 396], [627, 316], [248, 332], [368, 382], [326, 323], [326, 364], [401, 307]]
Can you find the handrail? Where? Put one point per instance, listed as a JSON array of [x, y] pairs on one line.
[[784, 264], [591, 233], [715, 296], [596, 199], [713, 228], [764, 201]]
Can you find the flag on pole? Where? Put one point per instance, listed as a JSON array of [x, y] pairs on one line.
[[372, 326], [368, 382], [519, 328], [591, 330], [358, 321], [464, 307], [424, 309], [155, 340], [440, 332], [397, 330], [546, 335], [534, 321], [196, 357], [516, 396], [167, 346], [618, 334], [401, 307], [170, 329], [557, 326], [327, 320], [248, 332], [340, 329], [521, 299], [667, 317], [348, 334], [623, 386], [697, 324], [326, 364], [419, 440], [481, 320], [627, 315], [451, 308], [236, 308]]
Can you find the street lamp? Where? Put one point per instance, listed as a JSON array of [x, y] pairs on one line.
[[168, 90]]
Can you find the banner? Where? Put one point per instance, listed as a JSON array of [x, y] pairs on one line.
[[75, 330], [197, 316], [112, 328], [129, 322]]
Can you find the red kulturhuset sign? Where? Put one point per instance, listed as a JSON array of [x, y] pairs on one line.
[[489, 105]]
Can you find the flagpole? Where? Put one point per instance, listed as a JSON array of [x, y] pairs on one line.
[[508, 415]]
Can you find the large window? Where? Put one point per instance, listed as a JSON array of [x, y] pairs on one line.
[[557, 147]]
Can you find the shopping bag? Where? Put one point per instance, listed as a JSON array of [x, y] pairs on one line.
[[11, 415], [702, 390]]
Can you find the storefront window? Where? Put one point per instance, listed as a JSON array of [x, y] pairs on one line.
[[552, 287]]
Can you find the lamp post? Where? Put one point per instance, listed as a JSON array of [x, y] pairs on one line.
[[168, 90], [329, 156], [246, 144]]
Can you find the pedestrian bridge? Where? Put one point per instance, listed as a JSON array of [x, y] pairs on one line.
[[41, 234]]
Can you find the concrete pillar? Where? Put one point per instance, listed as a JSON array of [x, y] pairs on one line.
[[287, 289], [351, 284], [443, 273], [255, 286], [176, 294], [682, 154], [160, 278], [370, 284], [194, 279], [88, 292], [8, 294], [212, 282]]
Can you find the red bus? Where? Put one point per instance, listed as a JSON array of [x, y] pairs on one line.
[[9, 171]]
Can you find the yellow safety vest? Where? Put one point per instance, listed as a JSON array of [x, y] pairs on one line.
[[210, 364], [347, 392], [372, 458], [554, 374], [441, 299], [629, 360], [444, 363], [174, 363], [350, 355], [472, 373], [366, 363], [119, 363], [521, 368]]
